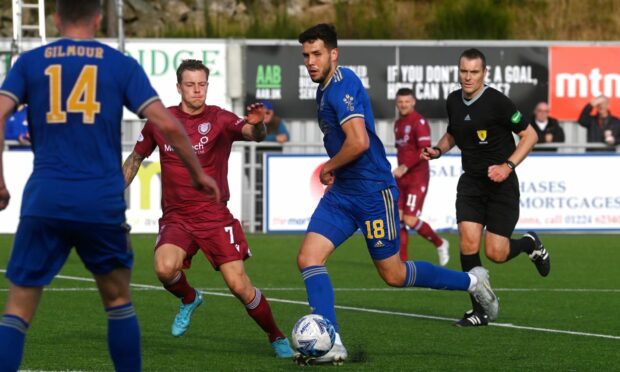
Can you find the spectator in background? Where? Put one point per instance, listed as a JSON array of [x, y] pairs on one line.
[[547, 128], [276, 128], [602, 127], [17, 128]]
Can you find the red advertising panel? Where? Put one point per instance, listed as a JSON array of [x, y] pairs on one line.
[[579, 73]]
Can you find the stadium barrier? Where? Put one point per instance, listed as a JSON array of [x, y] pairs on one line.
[[559, 192]]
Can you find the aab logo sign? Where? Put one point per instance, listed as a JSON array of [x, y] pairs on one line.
[[579, 73], [268, 82]]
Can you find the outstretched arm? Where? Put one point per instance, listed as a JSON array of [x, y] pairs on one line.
[[131, 167], [254, 129]]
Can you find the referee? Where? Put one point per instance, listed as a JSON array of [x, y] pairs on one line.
[[481, 121]]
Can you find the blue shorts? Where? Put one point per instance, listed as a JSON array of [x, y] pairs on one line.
[[42, 246], [339, 215]]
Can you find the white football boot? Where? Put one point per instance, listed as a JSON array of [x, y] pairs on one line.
[[483, 293], [337, 355], [443, 251]]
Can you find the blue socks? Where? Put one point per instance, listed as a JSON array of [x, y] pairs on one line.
[[12, 337], [124, 338], [320, 292], [426, 275]]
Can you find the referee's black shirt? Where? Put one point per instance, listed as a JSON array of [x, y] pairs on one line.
[[482, 128]]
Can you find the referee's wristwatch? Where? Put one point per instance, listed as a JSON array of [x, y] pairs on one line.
[[510, 165]]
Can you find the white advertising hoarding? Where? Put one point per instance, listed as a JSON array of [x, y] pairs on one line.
[[161, 57], [558, 192], [143, 196]]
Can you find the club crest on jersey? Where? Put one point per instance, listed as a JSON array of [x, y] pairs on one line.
[[408, 129], [482, 136], [348, 100], [204, 128]]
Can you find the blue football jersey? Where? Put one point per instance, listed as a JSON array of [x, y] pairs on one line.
[[343, 98], [76, 90]]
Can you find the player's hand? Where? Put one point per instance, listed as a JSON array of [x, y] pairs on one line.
[[400, 171], [208, 186], [327, 178], [499, 172], [256, 114], [429, 153], [4, 197]]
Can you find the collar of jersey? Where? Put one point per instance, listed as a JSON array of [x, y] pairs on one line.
[[471, 101], [78, 40], [336, 76]]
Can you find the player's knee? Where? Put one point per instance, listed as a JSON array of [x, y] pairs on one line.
[[392, 278], [410, 221], [494, 254], [166, 270], [304, 260]]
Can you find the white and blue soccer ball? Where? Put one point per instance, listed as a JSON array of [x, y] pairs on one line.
[[313, 335]]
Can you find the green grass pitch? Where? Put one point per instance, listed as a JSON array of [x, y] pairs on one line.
[[568, 321]]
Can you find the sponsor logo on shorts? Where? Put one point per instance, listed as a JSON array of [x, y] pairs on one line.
[[379, 244]]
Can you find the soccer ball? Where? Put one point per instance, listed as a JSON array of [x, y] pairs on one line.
[[313, 335]]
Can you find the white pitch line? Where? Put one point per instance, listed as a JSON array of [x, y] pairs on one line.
[[373, 311]]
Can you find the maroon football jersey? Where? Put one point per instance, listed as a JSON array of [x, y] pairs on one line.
[[211, 133], [412, 134]]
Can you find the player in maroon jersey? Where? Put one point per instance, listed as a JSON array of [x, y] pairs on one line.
[[412, 134], [191, 222]]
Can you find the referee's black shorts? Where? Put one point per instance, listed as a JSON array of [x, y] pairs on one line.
[[491, 204]]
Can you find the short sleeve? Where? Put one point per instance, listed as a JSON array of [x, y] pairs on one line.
[[233, 124], [423, 133], [146, 143], [347, 99], [14, 85], [138, 92], [510, 116]]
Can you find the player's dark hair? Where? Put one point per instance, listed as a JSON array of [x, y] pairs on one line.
[[322, 31], [473, 53], [191, 65], [75, 11], [405, 92]]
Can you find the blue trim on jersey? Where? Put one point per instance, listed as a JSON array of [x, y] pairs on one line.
[[340, 100], [77, 172]]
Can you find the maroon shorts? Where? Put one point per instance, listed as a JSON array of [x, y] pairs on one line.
[[220, 244], [411, 197]]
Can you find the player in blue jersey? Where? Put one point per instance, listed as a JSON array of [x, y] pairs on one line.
[[361, 194], [76, 88]]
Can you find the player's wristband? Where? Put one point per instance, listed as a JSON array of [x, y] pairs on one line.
[[440, 152], [510, 165]]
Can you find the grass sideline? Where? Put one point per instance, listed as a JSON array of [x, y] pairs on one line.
[[581, 295]]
